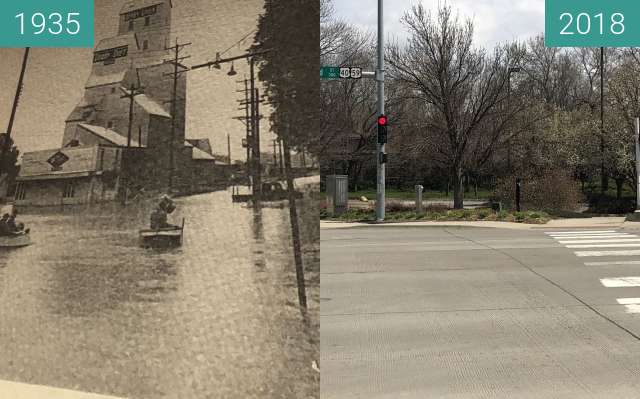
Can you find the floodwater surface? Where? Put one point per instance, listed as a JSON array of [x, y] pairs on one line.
[[86, 308]]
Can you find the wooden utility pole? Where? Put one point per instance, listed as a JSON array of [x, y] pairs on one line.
[[16, 100], [255, 115], [174, 101], [295, 228], [275, 153], [131, 95], [7, 142], [229, 147]]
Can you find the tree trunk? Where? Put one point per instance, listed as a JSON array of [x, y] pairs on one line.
[[458, 188], [619, 184]]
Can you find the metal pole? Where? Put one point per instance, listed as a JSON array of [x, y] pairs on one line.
[[603, 177], [229, 147], [637, 140], [380, 194]]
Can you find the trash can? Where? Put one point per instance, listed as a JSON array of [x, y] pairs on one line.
[[337, 194]]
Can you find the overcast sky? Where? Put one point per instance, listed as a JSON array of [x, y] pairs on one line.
[[495, 20]]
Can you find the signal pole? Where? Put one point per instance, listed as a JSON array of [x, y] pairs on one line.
[[174, 103], [380, 193]]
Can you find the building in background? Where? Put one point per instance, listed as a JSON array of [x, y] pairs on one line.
[[103, 156]]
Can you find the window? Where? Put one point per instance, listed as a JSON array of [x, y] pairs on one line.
[[145, 45], [69, 190], [110, 125], [113, 90], [21, 193], [147, 21], [130, 25]]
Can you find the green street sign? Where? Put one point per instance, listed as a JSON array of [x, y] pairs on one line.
[[592, 23], [329, 72]]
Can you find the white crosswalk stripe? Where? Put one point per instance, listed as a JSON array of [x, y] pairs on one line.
[[618, 242], [552, 233], [613, 263], [616, 245], [628, 252], [633, 281], [606, 241], [631, 304]]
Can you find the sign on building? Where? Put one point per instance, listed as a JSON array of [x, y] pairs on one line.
[[57, 160], [110, 54], [143, 12]]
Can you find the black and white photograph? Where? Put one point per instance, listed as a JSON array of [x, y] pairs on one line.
[[159, 232]]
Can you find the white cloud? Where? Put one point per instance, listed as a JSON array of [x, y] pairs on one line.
[[495, 20]]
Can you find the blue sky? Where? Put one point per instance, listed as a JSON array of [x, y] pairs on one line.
[[495, 20]]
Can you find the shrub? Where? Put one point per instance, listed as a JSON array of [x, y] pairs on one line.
[[483, 213], [552, 189]]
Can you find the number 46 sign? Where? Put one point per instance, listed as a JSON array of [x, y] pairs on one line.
[[592, 23]]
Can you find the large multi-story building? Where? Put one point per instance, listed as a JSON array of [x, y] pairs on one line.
[[148, 152]]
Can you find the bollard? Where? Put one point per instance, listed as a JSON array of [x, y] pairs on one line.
[[419, 189], [518, 193]]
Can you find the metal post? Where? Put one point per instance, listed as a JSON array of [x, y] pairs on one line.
[[604, 180], [380, 194], [518, 193], [229, 147], [419, 189], [637, 140]]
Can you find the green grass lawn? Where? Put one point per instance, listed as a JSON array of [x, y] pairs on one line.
[[411, 195], [434, 214]]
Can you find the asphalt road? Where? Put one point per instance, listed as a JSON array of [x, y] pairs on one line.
[[462, 312]]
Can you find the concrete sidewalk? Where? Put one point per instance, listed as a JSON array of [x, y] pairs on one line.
[[16, 390], [596, 222]]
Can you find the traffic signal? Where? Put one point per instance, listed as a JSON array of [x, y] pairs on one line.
[[382, 129]]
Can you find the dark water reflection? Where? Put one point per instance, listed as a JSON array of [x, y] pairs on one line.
[[86, 308]]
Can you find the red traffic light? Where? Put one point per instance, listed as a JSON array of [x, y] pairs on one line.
[[382, 120]]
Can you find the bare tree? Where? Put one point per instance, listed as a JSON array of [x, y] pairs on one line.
[[461, 85]]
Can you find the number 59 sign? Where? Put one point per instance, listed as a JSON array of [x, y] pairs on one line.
[[46, 23], [592, 23]]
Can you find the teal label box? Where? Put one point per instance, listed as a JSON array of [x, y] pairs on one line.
[[47, 23], [592, 23]]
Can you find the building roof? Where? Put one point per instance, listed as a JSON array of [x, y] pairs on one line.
[[138, 4], [200, 155], [81, 161], [128, 39], [108, 134], [203, 144], [102, 80], [150, 106]]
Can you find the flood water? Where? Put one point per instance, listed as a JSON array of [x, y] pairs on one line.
[[86, 308]]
